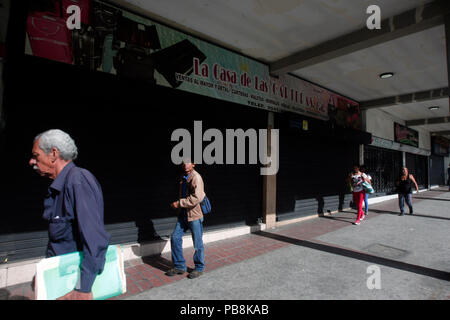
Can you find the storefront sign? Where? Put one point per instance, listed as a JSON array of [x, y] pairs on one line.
[[388, 144], [405, 135], [116, 41]]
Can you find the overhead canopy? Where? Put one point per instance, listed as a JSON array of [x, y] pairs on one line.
[[328, 43]]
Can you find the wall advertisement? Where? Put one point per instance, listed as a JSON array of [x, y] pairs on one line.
[[405, 135]]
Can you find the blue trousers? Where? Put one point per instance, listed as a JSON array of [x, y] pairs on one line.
[[366, 202], [176, 243], [401, 202]]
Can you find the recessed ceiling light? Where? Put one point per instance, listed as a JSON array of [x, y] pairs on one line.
[[386, 75], [434, 108]]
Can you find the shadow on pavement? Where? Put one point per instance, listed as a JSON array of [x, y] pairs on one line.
[[158, 262], [406, 214], [161, 263], [6, 295], [424, 198], [344, 211], [442, 275], [343, 219]]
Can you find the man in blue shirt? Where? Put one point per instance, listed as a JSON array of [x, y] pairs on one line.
[[73, 207]]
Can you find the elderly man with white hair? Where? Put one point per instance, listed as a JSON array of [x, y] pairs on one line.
[[73, 207]]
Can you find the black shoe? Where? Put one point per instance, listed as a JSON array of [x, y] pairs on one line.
[[195, 274], [174, 271]]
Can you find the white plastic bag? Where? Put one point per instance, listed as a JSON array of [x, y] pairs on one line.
[[57, 276]]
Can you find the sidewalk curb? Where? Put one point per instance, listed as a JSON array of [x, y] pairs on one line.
[[24, 271]]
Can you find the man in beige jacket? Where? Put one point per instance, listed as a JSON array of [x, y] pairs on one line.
[[190, 217]]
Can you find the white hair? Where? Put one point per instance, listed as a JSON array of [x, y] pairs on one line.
[[60, 140]]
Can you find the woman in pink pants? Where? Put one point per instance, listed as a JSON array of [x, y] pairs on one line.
[[356, 178]]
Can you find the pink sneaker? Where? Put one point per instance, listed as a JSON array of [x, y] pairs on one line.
[[363, 216], [357, 223]]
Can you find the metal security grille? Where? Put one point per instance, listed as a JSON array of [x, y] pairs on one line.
[[418, 167], [384, 167]]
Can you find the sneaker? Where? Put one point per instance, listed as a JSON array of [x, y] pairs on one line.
[[401, 214], [357, 223], [363, 217], [174, 271], [195, 274]]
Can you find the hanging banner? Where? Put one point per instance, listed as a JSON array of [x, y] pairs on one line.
[[116, 41]]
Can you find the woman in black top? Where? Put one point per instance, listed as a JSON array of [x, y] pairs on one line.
[[404, 188]]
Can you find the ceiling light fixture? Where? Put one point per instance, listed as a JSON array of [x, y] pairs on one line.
[[386, 75], [434, 108]]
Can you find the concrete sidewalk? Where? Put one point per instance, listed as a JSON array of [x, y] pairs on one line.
[[328, 258], [321, 258]]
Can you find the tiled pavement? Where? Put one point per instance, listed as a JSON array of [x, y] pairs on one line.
[[148, 272]]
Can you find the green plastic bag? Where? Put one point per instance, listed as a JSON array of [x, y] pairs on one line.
[[367, 187], [57, 276]]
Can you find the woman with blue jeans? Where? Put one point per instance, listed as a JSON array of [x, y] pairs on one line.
[[356, 179], [366, 194], [404, 188]]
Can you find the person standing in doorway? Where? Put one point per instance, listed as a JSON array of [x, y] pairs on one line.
[[404, 188], [190, 218], [356, 178], [366, 195]]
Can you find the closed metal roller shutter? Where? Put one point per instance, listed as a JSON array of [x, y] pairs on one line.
[[437, 174], [123, 132], [313, 167]]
